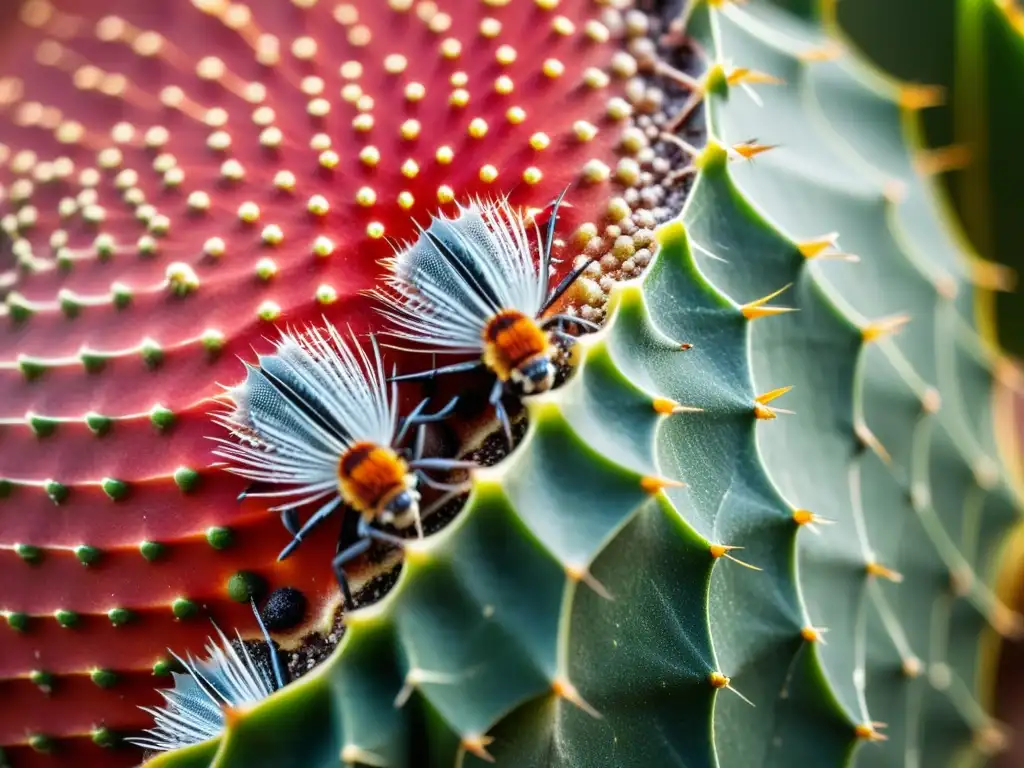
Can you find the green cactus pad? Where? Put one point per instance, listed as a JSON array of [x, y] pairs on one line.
[[622, 588]]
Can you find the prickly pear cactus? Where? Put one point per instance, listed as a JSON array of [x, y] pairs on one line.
[[684, 561], [642, 584]]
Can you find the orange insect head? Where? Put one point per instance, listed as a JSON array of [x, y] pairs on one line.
[[517, 349], [372, 479]]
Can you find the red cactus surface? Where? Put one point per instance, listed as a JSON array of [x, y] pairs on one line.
[[178, 179]]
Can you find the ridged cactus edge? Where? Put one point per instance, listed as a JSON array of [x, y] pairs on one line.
[[641, 581]]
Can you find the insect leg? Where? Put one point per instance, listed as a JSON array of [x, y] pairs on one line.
[[499, 410], [567, 337], [275, 660], [290, 520], [455, 487], [454, 368], [338, 566], [442, 464], [563, 286], [367, 531], [587, 324], [410, 420], [321, 514], [441, 415], [418, 418], [290, 510]]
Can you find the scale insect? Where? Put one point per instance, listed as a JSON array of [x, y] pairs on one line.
[[472, 285], [322, 421], [226, 678]]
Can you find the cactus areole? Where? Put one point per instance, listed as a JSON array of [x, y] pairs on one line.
[[771, 478]]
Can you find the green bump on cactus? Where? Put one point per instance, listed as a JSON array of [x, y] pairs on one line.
[[98, 424], [119, 616], [104, 246], [152, 550], [17, 620], [121, 294], [30, 368], [6, 487], [87, 555], [41, 425], [162, 418], [219, 537], [245, 586], [69, 304], [183, 608], [212, 341], [93, 362], [104, 678], [29, 553], [115, 489], [104, 737], [40, 742], [58, 492], [19, 308], [186, 479], [152, 353], [164, 667], [66, 618], [42, 679]]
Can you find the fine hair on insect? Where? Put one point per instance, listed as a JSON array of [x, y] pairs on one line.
[[315, 424], [193, 709], [473, 285]]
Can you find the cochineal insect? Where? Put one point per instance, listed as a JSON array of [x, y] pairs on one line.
[[322, 421], [193, 710], [473, 285]]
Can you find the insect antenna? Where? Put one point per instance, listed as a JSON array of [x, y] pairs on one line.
[[545, 262], [563, 286]]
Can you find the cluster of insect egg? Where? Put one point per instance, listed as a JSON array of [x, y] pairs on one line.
[[649, 172]]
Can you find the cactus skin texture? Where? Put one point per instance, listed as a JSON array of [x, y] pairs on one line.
[[586, 609], [134, 270]]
